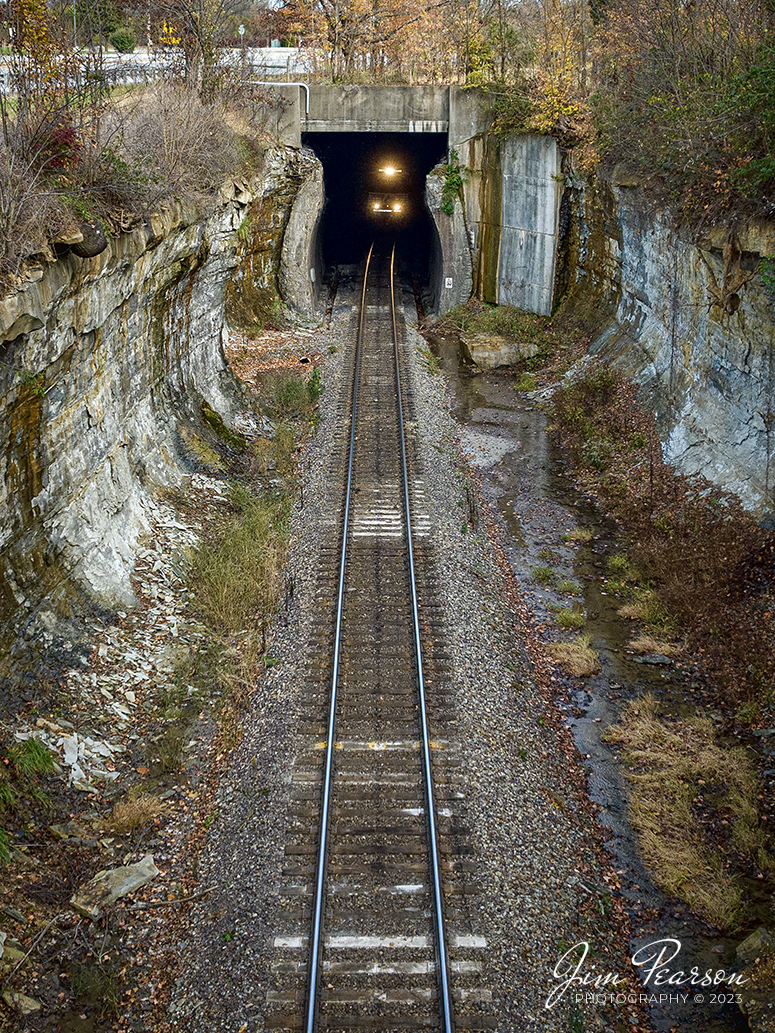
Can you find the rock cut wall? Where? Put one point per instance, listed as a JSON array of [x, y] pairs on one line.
[[659, 304], [105, 361]]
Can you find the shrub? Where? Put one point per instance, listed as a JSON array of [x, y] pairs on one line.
[[455, 176], [30, 215], [180, 142], [124, 40], [136, 812], [685, 98], [597, 452]]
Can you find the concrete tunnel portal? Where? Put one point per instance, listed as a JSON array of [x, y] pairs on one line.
[[374, 186], [505, 244]]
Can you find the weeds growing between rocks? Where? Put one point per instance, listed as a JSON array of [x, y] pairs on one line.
[[706, 567], [556, 343], [20, 768], [567, 618], [648, 644]]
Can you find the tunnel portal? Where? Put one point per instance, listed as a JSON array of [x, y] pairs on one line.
[[375, 191]]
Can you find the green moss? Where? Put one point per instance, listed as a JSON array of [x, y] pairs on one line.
[[215, 421], [201, 451], [455, 176]]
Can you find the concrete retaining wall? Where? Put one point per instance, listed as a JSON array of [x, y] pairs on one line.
[[530, 204], [500, 242]]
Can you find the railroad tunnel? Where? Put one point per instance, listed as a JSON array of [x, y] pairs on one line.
[[375, 192]]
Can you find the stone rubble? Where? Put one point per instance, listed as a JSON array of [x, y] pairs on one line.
[[107, 887]]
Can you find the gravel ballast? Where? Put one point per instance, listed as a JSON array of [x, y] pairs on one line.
[[544, 885]]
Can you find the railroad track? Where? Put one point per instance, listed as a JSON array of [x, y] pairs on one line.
[[379, 860]]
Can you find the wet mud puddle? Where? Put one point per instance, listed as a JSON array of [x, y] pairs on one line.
[[504, 435]]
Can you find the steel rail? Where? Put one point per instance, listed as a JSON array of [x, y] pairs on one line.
[[438, 908], [317, 919]]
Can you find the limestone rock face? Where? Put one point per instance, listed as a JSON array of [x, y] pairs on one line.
[[663, 311], [300, 265], [104, 360]]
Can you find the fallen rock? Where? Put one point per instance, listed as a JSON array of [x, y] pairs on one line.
[[21, 1003], [17, 916], [755, 958], [491, 351], [655, 659], [108, 886], [11, 956], [93, 240], [68, 237]]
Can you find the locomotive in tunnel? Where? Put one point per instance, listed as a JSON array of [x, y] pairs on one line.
[[375, 193]]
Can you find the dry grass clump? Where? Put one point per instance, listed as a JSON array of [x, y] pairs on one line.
[[675, 768], [578, 534], [238, 577], [277, 453], [577, 657], [136, 812], [177, 141], [636, 610], [261, 455], [239, 672], [648, 644], [284, 448]]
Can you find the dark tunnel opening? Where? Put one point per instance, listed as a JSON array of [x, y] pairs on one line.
[[375, 192]]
